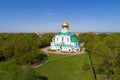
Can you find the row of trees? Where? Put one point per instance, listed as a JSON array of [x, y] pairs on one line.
[[22, 49], [104, 50]]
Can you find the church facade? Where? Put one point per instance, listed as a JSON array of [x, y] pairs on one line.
[[65, 41]]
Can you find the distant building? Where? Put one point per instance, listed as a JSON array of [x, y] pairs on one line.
[[65, 40]]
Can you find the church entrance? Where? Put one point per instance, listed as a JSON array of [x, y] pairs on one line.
[[69, 50], [77, 50]]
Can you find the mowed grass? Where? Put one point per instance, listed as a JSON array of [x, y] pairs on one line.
[[66, 67], [7, 68]]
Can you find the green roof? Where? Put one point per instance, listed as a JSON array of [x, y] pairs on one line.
[[61, 44], [64, 45], [67, 46], [66, 33], [73, 39]]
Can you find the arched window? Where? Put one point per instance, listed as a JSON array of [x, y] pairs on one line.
[[69, 50], [62, 38], [67, 39], [57, 38]]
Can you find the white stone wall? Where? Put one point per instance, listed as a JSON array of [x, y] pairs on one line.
[[73, 44], [65, 39], [64, 48], [53, 47]]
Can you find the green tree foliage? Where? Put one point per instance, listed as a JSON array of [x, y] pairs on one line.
[[25, 72], [8, 48], [90, 39], [45, 40], [40, 58], [23, 47], [104, 61], [105, 53]]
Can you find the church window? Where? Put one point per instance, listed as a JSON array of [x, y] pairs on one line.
[[68, 39], [62, 38]]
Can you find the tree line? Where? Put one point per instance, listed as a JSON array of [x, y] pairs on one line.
[[104, 50], [22, 49]]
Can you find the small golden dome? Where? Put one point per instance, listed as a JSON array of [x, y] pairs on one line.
[[65, 24]]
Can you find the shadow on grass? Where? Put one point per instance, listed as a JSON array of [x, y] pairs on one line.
[[42, 78], [40, 59]]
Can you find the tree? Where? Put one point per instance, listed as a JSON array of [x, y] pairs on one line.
[[105, 55], [102, 59], [45, 40], [25, 49], [90, 39], [8, 48]]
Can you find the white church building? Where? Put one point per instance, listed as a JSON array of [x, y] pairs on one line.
[[65, 41]]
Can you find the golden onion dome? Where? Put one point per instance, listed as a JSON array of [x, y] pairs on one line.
[[65, 24]]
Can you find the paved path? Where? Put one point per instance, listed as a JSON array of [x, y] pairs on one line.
[[46, 50]]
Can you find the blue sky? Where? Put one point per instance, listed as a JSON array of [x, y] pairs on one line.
[[48, 15]]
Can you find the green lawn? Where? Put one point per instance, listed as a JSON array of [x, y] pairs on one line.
[[7, 68], [66, 67], [57, 67]]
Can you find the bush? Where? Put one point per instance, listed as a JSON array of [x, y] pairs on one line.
[[100, 71]]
